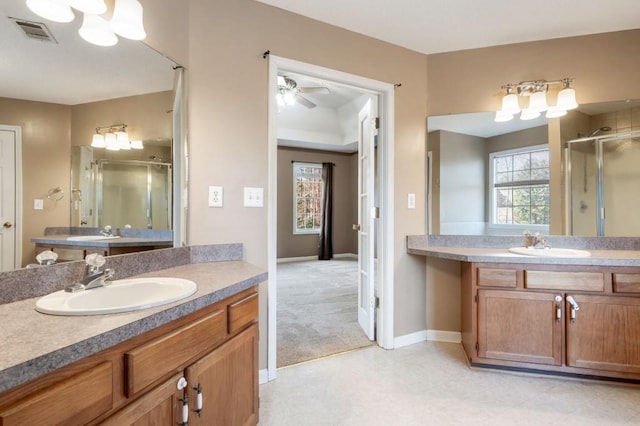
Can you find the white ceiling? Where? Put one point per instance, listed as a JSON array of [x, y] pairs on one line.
[[430, 26], [73, 71]]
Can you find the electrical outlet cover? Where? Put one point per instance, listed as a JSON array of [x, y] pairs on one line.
[[215, 196]]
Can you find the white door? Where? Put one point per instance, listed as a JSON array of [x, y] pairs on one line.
[[8, 144], [366, 225]]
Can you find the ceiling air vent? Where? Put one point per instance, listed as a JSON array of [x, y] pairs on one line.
[[35, 30]]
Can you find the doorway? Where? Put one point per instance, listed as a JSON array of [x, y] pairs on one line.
[[11, 200], [382, 304]]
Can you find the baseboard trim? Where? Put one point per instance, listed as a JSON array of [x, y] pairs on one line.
[[444, 336], [307, 258], [430, 335], [263, 376], [410, 339]]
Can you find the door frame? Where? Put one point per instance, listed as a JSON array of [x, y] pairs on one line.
[[17, 256], [385, 240]]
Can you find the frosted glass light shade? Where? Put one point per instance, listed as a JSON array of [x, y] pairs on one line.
[[501, 117], [127, 20], [95, 7], [122, 139], [111, 142], [554, 112], [529, 114], [567, 99], [95, 29], [53, 10], [137, 144], [538, 101], [98, 141], [510, 104]]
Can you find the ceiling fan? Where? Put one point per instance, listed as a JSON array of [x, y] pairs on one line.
[[289, 92]]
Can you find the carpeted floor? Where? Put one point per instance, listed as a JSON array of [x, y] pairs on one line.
[[317, 310]]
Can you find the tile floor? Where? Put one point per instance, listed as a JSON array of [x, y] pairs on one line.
[[429, 383]]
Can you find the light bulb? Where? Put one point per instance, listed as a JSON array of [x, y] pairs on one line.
[[501, 117], [127, 20], [95, 7], [53, 10], [510, 104], [98, 141], [122, 139], [95, 29], [111, 142], [528, 114], [567, 98], [538, 101], [289, 98]]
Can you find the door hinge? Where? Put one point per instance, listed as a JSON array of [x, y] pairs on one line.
[[376, 302], [475, 298], [376, 122], [375, 212], [477, 346]]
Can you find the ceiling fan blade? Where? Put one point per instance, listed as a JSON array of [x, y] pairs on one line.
[[316, 90], [305, 102]]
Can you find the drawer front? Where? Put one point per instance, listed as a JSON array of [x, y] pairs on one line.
[[626, 283], [73, 401], [168, 354], [243, 312], [497, 277], [570, 281]]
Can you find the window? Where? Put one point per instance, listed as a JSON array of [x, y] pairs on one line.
[[520, 186], [307, 198]]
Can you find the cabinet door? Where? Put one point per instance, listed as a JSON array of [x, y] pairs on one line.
[[228, 381], [160, 406], [604, 333], [519, 326]]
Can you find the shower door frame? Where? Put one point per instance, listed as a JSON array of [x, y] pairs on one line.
[[599, 158], [149, 218]]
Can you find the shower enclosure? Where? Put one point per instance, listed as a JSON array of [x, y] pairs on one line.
[[603, 185], [134, 193]]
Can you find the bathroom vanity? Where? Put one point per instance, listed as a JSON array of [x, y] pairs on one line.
[[196, 358], [576, 316]]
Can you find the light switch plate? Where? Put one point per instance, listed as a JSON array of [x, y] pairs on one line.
[[38, 204], [411, 201], [253, 197], [215, 196]]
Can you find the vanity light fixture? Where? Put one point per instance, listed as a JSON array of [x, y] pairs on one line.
[[114, 138], [126, 19], [536, 91]]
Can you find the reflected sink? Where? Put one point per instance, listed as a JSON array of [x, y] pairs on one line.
[[91, 237], [550, 252], [120, 296]]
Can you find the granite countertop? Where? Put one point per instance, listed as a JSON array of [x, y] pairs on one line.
[[62, 240], [419, 245], [35, 344]]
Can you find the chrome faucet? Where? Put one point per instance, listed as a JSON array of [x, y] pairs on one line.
[[536, 241], [93, 276]]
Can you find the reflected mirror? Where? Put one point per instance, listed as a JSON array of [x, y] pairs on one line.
[[58, 91], [488, 178]]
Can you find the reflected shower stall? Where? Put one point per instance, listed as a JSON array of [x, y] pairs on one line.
[[134, 193], [603, 184]]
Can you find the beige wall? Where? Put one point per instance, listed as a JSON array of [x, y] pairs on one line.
[[45, 164], [345, 203], [604, 67], [228, 128]]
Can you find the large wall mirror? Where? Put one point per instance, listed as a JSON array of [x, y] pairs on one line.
[[574, 175], [59, 91]]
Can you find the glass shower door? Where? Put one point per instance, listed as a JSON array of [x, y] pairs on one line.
[[584, 188], [620, 187]]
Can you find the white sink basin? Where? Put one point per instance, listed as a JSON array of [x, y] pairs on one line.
[[120, 296], [91, 237], [550, 252]]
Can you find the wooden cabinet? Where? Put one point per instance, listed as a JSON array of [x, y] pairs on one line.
[[582, 320], [142, 381]]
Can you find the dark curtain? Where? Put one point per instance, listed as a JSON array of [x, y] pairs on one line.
[[325, 244]]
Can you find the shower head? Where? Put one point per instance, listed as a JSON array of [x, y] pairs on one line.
[[601, 129]]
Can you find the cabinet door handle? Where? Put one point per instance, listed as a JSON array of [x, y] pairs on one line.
[[574, 307], [198, 390], [185, 410]]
